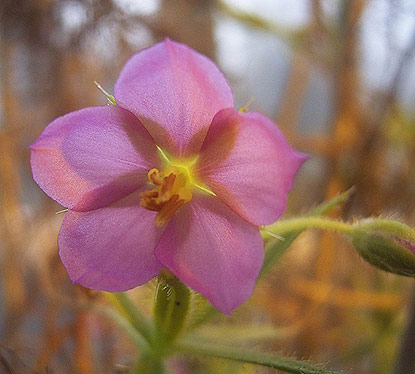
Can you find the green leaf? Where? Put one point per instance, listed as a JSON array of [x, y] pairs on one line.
[[123, 322], [133, 315], [264, 359], [327, 206], [230, 334], [279, 247]]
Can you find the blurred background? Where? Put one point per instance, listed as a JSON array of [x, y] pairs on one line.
[[337, 76]]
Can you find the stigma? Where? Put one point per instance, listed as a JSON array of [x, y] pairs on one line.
[[171, 192]]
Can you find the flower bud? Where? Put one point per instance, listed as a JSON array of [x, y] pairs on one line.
[[386, 244]]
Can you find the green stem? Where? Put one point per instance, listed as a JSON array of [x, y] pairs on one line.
[[171, 309], [214, 350], [284, 227]]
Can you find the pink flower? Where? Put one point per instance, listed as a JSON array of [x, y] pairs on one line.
[[171, 177]]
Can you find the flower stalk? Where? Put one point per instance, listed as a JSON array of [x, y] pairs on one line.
[[283, 227], [387, 244], [171, 307]]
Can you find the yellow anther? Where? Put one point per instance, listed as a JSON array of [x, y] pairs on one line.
[[171, 192], [153, 176]]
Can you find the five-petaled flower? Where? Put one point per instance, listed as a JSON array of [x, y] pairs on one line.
[[171, 177]]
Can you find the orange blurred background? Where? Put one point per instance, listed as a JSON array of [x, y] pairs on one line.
[[339, 79]]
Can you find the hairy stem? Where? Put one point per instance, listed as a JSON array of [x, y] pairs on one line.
[[284, 227]]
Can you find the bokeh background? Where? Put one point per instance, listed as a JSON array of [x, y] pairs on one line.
[[338, 77]]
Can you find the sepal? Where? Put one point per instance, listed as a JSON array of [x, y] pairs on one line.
[[386, 244]]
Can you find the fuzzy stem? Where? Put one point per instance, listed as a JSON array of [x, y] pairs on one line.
[[171, 308], [264, 359], [284, 227]]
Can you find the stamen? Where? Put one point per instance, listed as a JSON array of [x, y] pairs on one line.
[[168, 183], [168, 210], [170, 193], [154, 177]]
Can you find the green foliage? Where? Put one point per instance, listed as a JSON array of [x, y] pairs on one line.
[[279, 246], [287, 365]]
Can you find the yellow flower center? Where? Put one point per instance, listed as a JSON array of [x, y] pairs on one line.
[[171, 191], [173, 188]]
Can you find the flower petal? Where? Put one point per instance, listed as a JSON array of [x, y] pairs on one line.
[[249, 164], [213, 251], [111, 248], [175, 92], [92, 157]]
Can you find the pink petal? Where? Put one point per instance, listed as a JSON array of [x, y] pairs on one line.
[[175, 92], [213, 251], [249, 164], [92, 157], [111, 248]]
